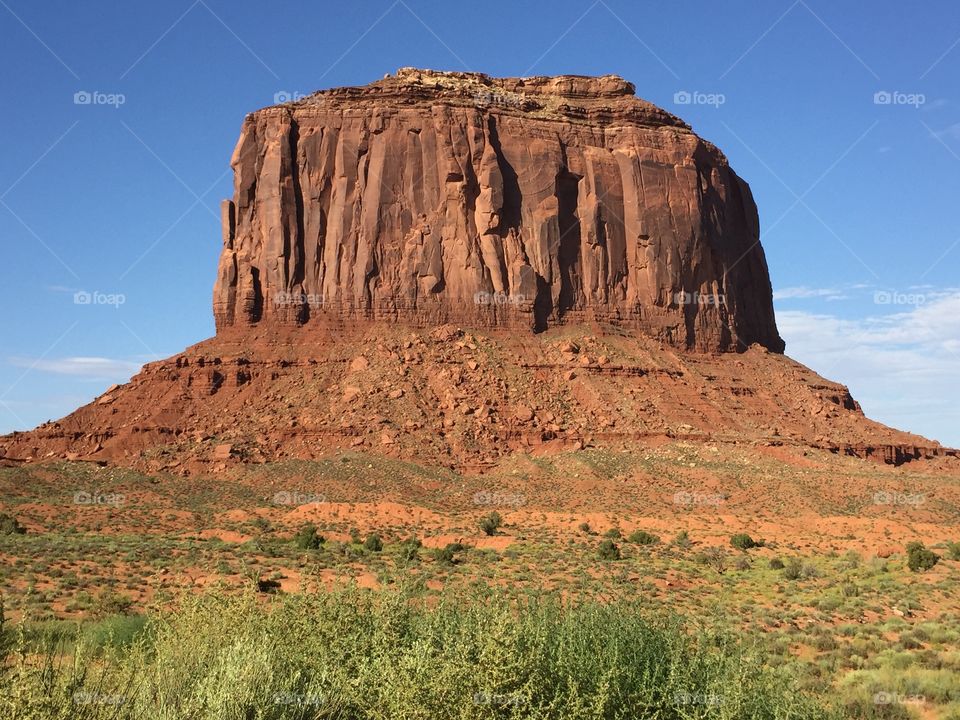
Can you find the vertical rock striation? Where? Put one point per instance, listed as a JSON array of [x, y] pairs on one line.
[[432, 197]]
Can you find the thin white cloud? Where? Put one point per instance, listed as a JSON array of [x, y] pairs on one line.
[[88, 368], [902, 366], [803, 292]]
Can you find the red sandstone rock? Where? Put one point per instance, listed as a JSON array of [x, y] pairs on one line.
[[433, 197]]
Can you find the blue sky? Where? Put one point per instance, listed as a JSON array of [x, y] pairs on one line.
[[846, 124]]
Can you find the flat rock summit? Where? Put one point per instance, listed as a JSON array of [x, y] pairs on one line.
[[449, 268]]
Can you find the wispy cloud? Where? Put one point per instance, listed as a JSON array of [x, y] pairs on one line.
[[902, 366], [803, 292], [88, 368]]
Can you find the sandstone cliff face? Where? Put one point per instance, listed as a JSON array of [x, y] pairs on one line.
[[448, 197]]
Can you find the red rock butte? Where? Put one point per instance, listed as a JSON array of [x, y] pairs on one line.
[[431, 197], [450, 268]]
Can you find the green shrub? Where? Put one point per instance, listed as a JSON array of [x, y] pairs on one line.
[[448, 555], [608, 550], [742, 541], [642, 537], [111, 603], [307, 538], [776, 564], [920, 558], [682, 540], [353, 654], [10, 526], [410, 549], [491, 523], [373, 543], [584, 527], [953, 550], [793, 568]]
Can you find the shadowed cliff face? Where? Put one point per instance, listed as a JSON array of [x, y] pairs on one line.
[[449, 197]]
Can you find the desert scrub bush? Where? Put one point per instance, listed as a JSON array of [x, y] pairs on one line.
[[776, 564], [584, 527], [447, 555], [490, 523], [920, 558], [613, 533], [953, 550], [410, 549], [608, 550], [642, 537], [355, 655], [9, 525], [682, 540], [742, 541], [793, 568], [373, 543], [307, 538]]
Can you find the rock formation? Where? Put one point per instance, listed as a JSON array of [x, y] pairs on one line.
[[392, 253], [432, 197]]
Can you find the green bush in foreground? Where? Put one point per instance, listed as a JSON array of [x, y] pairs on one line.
[[355, 654]]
